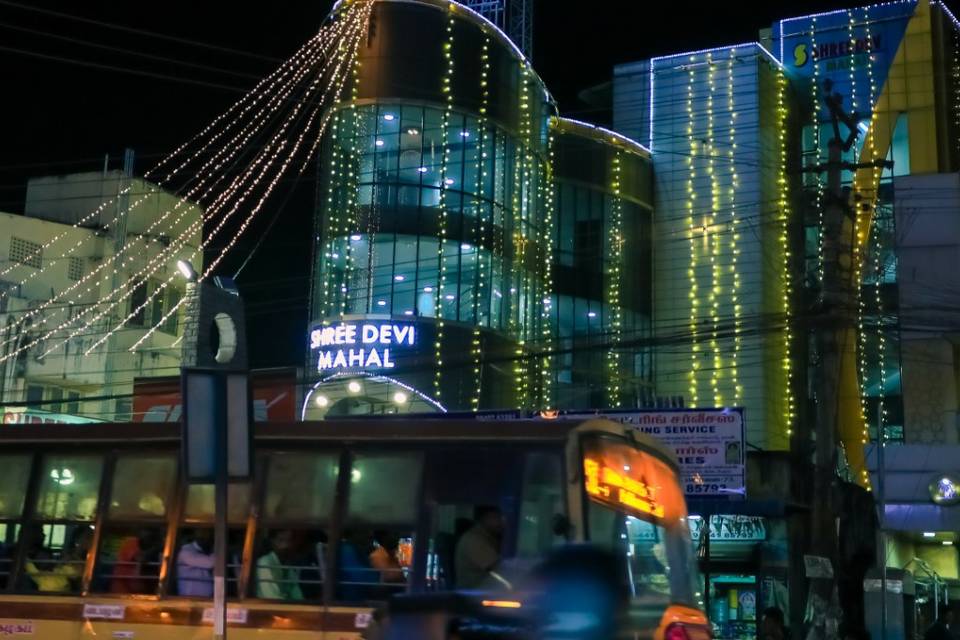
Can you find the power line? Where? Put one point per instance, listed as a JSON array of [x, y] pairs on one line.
[[140, 32]]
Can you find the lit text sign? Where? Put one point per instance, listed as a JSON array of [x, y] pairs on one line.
[[634, 482], [609, 486], [360, 345]]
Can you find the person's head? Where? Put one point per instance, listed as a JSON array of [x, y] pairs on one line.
[[82, 540], [772, 622], [281, 541], [204, 539], [490, 519], [387, 539], [948, 615]]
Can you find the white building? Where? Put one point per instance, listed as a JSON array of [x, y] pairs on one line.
[[69, 259]]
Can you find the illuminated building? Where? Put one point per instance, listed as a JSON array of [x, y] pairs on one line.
[[736, 134], [94, 255], [508, 246]]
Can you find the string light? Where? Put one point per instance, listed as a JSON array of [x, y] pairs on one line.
[[358, 22], [692, 232], [361, 20], [257, 173], [447, 89], [124, 290], [784, 219], [476, 344], [712, 239], [734, 232], [613, 282], [549, 233]]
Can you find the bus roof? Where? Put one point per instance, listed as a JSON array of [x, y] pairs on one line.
[[407, 429]]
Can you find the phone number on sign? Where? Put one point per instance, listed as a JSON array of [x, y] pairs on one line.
[[706, 488]]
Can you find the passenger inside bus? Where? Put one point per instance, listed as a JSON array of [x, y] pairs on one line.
[[137, 562], [477, 552], [354, 573], [49, 574], [276, 577], [384, 557], [195, 562]]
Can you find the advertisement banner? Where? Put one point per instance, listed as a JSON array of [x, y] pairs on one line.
[[708, 443], [274, 397]]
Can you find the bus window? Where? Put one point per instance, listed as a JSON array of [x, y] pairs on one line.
[[57, 543], [135, 528], [375, 551], [14, 475], [197, 527], [291, 554], [462, 485], [541, 505]]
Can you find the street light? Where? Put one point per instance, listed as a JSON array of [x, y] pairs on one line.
[[186, 270]]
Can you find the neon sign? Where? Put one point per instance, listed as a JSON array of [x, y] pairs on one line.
[[360, 346], [608, 485], [634, 482]]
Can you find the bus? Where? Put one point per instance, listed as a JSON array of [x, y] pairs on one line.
[[100, 536]]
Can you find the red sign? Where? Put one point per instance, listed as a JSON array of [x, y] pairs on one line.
[[274, 397]]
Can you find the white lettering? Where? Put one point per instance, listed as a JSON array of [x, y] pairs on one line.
[[386, 334], [326, 361], [369, 333], [387, 362], [315, 338], [355, 358], [340, 334], [373, 360], [340, 361]]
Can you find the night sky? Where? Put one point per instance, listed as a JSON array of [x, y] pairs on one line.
[[61, 117]]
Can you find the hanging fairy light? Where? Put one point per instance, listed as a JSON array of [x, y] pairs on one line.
[[479, 299], [712, 238], [784, 214], [734, 231], [615, 259], [253, 170], [123, 259], [447, 89], [693, 374]]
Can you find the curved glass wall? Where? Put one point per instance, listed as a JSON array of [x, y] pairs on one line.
[[402, 182]]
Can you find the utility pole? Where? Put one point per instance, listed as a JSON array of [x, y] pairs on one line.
[[835, 324]]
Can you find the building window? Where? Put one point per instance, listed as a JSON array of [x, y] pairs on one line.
[[73, 402], [25, 252], [34, 393], [75, 268], [56, 395]]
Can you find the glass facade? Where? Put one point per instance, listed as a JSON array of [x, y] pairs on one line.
[[414, 175], [511, 247]]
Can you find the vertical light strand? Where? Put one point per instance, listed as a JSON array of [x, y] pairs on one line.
[[352, 204], [330, 255], [784, 219], [860, 235], [712, 239], [693, 374], [476, 347], [734, 232], [447, 89], [614, 261], [874, 191], [547, 339], [816, 110]]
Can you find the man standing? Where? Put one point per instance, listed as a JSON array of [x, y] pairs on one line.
[[942, 629], [195, 562], [478, 551]]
